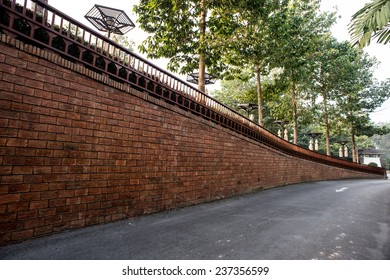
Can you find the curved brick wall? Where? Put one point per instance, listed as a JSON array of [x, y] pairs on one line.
[[78, 149]]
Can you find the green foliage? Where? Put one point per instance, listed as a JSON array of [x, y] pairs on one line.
[[124, 41], [234, 92], [299, 28], [174, 28], [371, 21]]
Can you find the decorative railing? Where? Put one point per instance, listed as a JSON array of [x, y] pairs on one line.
[[44, 26]]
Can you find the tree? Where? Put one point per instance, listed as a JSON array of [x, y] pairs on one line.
[[124, 41], [331, 70], [371, 21], [234, 92], [251, 45], [299, 29], [360, 95], [189, 33]]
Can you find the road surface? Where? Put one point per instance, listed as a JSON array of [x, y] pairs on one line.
[[347, 220]]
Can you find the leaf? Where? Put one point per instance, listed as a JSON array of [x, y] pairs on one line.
[[370, 21]]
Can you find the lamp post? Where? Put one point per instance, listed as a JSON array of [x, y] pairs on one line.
[[343, 150], [109, 20], [282, 132], [248, 107], [208, 78], [313, 144]]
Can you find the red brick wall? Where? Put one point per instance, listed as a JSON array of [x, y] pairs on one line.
[[77, 149]]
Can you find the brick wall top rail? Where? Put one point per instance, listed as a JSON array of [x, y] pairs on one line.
[[49, 28]]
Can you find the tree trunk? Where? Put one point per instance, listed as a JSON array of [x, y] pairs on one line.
[[202, 55], [354, 150], [326, 123], [259, 95], [295, 117]]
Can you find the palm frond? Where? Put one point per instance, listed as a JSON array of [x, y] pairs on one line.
[[372, 21]]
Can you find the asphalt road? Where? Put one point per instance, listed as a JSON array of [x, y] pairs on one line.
[[325, 220]]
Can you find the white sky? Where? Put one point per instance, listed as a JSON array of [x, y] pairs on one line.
[[78, 8]]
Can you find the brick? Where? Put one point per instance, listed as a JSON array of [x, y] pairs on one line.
[[77, 223], [12, 78], [5, 170], [32, 100], [60, 82], [22, 170], [19, 188], [27, 134], [27, 57], [42, 170], [43, 230], [12, 226], [29, 117], [6, 114], [26, 215], [51, 178], [52, 88], [4, 189], [9, 152], [12, 179], [14, 160], [4, 123], [47, 136], [88, 199], [7, 217], [34, 84], [57, 202], [34, 223], [55, 129], [6, 86], [7, 68], [47, 212], [30, 196], [33, 179], [9, 198], [50, 104], [5, 238], [11, 96], [21, 107], [23, 234], [39, 204], [64, 209], [24, 90], [81, 192], [43, 94], [47, 120], [39, 144], [53, 220], [16, 142], [66, 193], [73, 200], [34, 67], [4, 104], [18, 206], [61, 226], [80, 209]]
